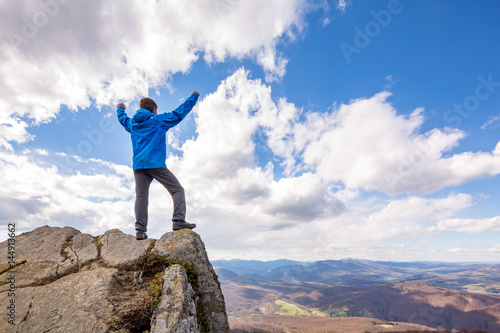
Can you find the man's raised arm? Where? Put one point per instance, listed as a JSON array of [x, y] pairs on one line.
[[170, 119], [122, 116]]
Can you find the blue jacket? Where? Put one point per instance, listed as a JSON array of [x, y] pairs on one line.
[[148, 133]]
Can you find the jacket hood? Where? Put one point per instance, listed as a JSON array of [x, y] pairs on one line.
[[142, 115]]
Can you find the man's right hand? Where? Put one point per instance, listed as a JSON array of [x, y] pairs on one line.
[[121, 105], [196, 92]]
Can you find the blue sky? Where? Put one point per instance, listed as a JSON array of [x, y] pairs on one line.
[[324, 129]]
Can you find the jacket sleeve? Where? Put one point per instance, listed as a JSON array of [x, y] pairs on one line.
[[170, 119], [123, 119]]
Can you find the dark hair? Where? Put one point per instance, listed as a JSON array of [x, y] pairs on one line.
[[148, 104]]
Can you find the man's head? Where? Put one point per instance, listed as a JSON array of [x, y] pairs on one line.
[[148, 104]]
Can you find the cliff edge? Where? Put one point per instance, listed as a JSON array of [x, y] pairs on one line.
[[68, 281]]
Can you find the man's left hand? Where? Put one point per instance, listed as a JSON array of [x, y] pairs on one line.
[[121, 105]]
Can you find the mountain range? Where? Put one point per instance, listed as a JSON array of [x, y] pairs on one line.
[[474, 277], [432, 294]]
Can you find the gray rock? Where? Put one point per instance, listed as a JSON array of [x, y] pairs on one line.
[[41, 244], [122, 250], [186, 246], [67, 284], [176, 312], [81, 251], [30, 274], [74, 303], [49, 255]]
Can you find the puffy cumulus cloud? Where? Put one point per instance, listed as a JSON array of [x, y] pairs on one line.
[[302, 198], [231, 194], [391, 230], [222, 160], [411, 217], [12, 128], [415, 210], [36, 193], [242, 206], [368, 145], [470, 225], [75, 53], [239, 203], [228, 120], [364, 145]]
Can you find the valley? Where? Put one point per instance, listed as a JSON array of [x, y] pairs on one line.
[[433, 295]]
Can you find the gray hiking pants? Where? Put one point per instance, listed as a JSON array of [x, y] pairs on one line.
[[143, 179]]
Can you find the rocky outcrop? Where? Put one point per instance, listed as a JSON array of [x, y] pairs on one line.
[[187, 246], [68, 281], [176, 312]]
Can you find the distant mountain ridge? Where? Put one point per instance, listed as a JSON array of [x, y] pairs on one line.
[[250, 267], [389, 291], [475, 277]]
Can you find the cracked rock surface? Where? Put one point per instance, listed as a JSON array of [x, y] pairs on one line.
[[70, 282], [74, 303], [41, 248]]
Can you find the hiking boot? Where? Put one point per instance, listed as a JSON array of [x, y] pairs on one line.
[[139, 235], [178, 224]]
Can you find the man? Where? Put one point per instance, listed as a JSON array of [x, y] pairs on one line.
[[147, 129]]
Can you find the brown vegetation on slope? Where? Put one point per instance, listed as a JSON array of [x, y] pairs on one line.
[[296, 324]]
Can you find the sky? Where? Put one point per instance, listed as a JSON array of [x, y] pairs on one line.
[[324, 129]]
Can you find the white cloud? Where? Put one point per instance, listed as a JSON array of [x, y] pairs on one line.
[[240, 205], [12, 128], [237, 200], [42, 152], [410, 217], [35, 194], [492, 122], [342, 5], [413, 213], [494, 248], [375, 234], [458, 250], [470, 225], [75, 53], [79, 53], [222, 159], [390, 82], [367, 145]]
